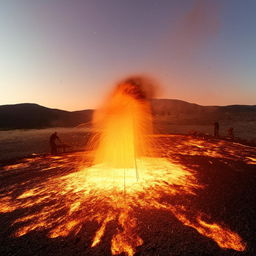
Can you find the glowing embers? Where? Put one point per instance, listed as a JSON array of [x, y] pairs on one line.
[[223, 236], [148, 172], [65, 205]]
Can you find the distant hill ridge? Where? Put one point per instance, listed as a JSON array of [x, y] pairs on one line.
[[34, 116], [182, 112]]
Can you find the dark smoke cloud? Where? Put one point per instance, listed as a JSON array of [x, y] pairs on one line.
[[138, 86], [195, 28]]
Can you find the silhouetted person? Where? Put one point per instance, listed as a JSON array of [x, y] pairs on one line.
[[231, 133], [53, 139], [216, 129]]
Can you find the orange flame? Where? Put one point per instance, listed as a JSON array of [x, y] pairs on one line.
[[123, 123]]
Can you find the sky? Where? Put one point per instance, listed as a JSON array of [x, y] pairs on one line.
[[69, 54]]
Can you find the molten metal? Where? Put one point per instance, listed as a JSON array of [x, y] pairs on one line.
[[124, 121]]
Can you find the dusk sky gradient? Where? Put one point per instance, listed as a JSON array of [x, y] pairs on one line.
[[69, 54]]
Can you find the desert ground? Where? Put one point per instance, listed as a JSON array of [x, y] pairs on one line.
[[20, 143], [16, 144]]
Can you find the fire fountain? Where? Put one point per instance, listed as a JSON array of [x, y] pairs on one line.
[[127, 173]]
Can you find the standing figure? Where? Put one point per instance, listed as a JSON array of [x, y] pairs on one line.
[[53, 139], [216, 129], [231, 133]]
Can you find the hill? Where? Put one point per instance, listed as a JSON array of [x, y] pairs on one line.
[[181, 112], [33, 116], [171, 111]]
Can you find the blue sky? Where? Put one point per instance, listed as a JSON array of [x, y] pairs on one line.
[[69, 54]]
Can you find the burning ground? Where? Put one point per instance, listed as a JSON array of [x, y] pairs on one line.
[[197, 197]]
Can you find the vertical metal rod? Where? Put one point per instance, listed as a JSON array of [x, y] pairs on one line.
[[124, 186], [136, 168], [134, 149]]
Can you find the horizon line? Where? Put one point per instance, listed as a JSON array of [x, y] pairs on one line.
[[33, 103]]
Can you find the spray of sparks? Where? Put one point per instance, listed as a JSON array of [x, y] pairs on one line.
[[121, 177]]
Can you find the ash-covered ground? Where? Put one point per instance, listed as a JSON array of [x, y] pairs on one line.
[[40, 213]]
